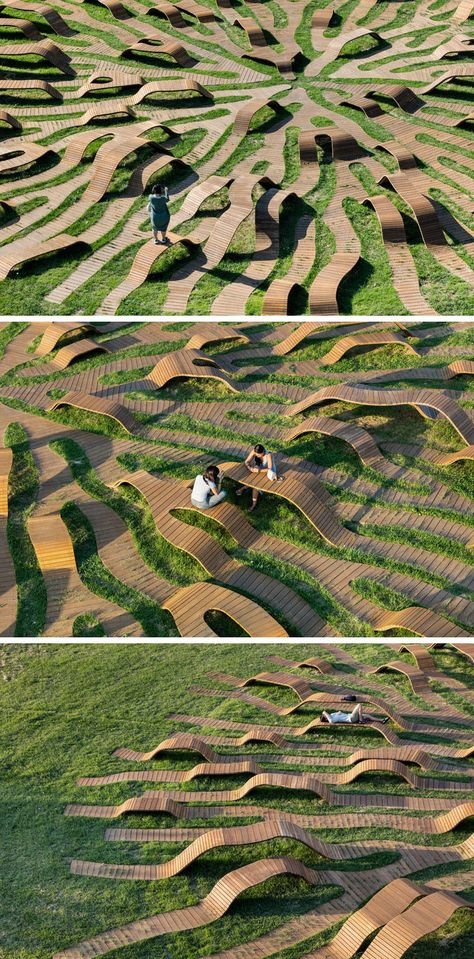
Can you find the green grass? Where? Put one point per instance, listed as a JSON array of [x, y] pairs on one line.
[[64, 711]]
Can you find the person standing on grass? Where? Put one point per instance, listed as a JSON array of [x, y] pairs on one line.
[[159, 212]]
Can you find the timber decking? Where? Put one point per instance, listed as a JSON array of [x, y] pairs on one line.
[[216, 903], [187, 74], [190, 604]]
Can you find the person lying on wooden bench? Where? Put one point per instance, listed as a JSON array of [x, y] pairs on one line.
[[206, 491], [356, 716], [257, 460]]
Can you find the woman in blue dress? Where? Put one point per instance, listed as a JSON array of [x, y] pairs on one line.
[[159, 213]]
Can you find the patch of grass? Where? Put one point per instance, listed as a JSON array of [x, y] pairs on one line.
[[23, 492]]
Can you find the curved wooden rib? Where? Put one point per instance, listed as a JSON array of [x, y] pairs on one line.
[[312, 499], [32, 85], [216, 903], [323, 291], [360, 440], [77, 351], [223, 838], [190, 363], [53, 18], [96, 404], [6, 463], [149, 45], [417, 680], [189, 605], [215, 333], [32, 250], [295, 338], [342, 145], [379, 338], [185, 85], [55, 332], [420, 399], [189, 742], [243, 766], [424, 917], [8, 591], [67, 595], [45, 49], [25, 27], [447, 459], [11, 121]]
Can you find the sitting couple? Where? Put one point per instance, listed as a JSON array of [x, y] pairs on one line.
[[207, 491]]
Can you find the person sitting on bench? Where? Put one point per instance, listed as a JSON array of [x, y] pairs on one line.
[[356, 716], [206, 490], [257, 460]]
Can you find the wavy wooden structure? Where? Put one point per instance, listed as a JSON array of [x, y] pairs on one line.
[[8, 591], [216, 903], [187, 363], [361, 340], [214, 839], [190, 604], [423, 400], [374, 99], [95, 404], [420, 919]]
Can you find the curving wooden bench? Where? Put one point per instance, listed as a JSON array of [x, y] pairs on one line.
[[416, 678], [192, 743], [360, 340], [153, 44], [55, 331], [185, 85], [76, 351], [187, 363], [215, 905], [28, 84], [277, 828], [167, 11], [324, 289], [99, 405], [6, 463], [164, 496], [295, 338], [52, 17], [13, 259], [45, 49], [249, 766], [420, 399], [202, 745], [189, 605], [360, 440], [401, 932], [215, 333], [26, 27], [342, 146], [311, 499], [447, 459], [8, 590]]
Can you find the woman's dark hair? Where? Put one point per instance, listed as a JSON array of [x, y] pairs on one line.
[[158, 189], [324, 718], [211, 474], [259, 449]]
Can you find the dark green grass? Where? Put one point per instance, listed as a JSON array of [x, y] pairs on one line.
[[64, 711]]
